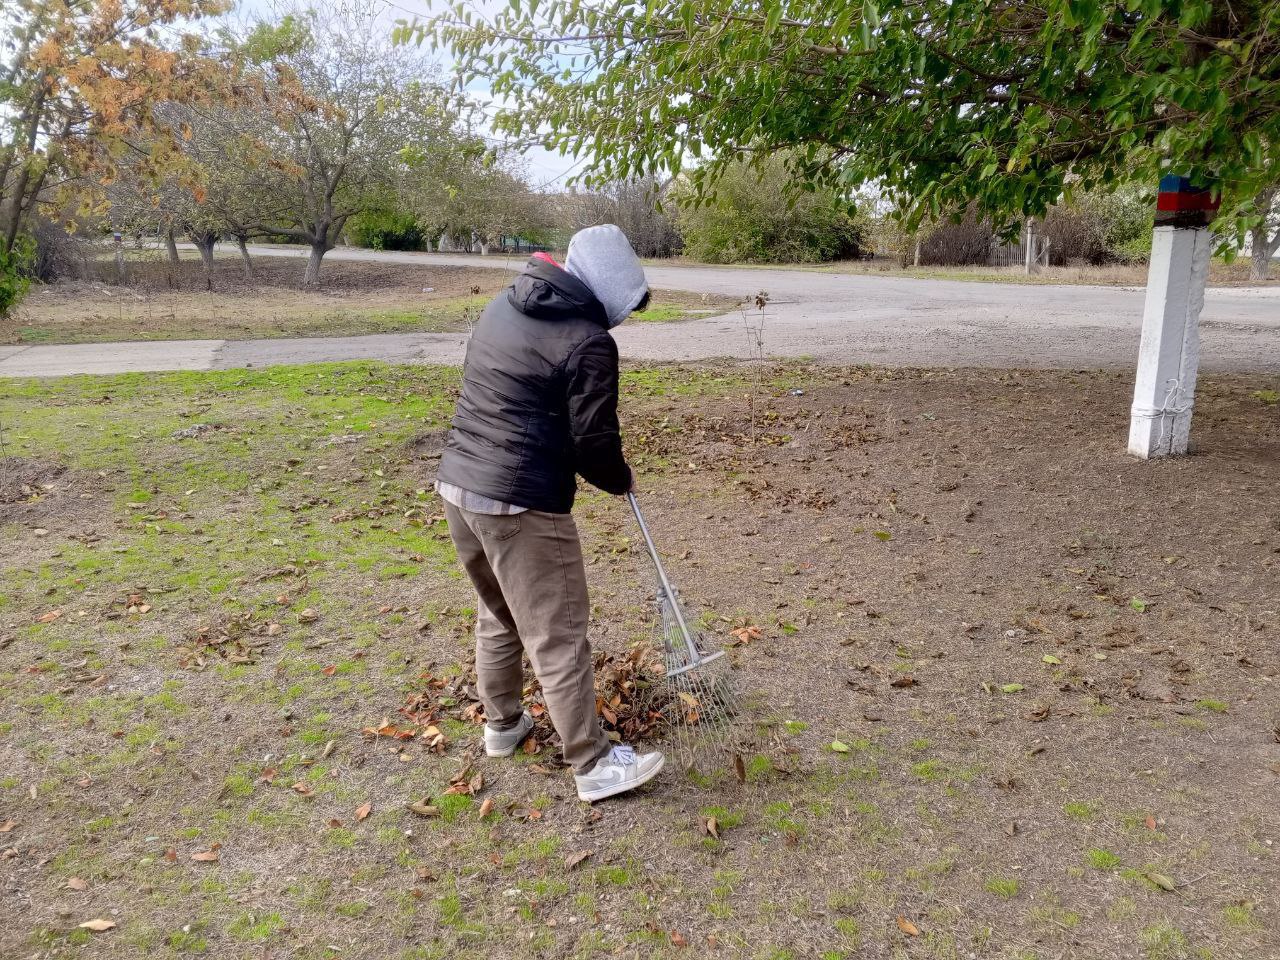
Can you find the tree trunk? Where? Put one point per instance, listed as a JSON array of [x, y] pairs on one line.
[[172, 246], [1260, 269], [916, 258], [484, 248], [119, 260], [312, 277], [1263, 246], [244, 259], [205, 243]]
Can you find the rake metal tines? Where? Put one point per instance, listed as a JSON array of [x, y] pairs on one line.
[[699, 701]]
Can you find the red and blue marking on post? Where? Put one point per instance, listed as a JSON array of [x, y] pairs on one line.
[[1181, 204]]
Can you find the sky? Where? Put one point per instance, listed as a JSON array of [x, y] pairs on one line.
[[544, 169]]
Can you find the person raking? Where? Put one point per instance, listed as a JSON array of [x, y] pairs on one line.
[[539, 407]]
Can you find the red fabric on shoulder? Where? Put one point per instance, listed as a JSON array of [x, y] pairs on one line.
[[547, 258]]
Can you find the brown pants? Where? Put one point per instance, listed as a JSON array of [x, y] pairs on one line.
[[532, 591]]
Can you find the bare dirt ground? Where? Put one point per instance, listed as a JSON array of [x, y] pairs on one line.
[[161, 302], [1011, 693]]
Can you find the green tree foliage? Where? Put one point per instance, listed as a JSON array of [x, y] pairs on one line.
[[758, 220], [944, 102], [15, 272], [386, 230], [483, 197]]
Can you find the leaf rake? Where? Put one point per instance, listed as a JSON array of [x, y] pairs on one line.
[[700, 702]]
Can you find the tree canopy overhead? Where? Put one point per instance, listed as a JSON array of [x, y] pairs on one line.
[[1000, 103]]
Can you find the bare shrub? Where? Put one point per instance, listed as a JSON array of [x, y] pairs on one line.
[[634, 206], [59, 255], [957, 243]]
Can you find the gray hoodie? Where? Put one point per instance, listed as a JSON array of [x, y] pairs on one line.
[[602, 258]]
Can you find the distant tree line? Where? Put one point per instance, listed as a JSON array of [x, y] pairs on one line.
[[169, 122]]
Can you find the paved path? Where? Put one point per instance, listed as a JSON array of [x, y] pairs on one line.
[[844, 318]]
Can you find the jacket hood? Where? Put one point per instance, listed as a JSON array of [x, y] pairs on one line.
[[602, 258], [546, 292]]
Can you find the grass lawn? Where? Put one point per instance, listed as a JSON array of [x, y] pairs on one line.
[[1014, 694], [161, 303]]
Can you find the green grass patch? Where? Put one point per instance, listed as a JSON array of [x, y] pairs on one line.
[[1006, 888], [1100, 859]]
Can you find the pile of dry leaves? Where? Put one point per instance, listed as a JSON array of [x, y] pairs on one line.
[[629, 702], [236, 639]]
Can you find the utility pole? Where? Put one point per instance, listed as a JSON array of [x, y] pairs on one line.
[[1169, 355]]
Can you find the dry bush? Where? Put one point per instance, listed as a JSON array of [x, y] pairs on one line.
[[955, 244]]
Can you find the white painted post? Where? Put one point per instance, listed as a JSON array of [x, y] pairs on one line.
[[1169, 355]]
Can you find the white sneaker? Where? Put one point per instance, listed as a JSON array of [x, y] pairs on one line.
[[619, 770], [503, 743]]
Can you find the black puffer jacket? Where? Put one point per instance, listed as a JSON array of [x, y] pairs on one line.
[[539, 397]]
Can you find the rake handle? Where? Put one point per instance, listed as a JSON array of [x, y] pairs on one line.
[[695, 655]]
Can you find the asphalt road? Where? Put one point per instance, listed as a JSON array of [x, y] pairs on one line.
[[834, 317]]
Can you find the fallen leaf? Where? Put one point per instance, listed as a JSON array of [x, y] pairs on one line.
[[1161, 881], [307, 615], [363, 811], [49, 617], [1011, 828], [171, 855], [1150, 822], [208, 856], [75, 883], [302, 788], [98, 926], [8, 825], [739, 768], [486, 807], [1050, 658], [839, 747], [907, 681], [424, 809], [1012, 688], [575, 858], [907, 927], [330, 670], [711, 827], [677, 940]]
